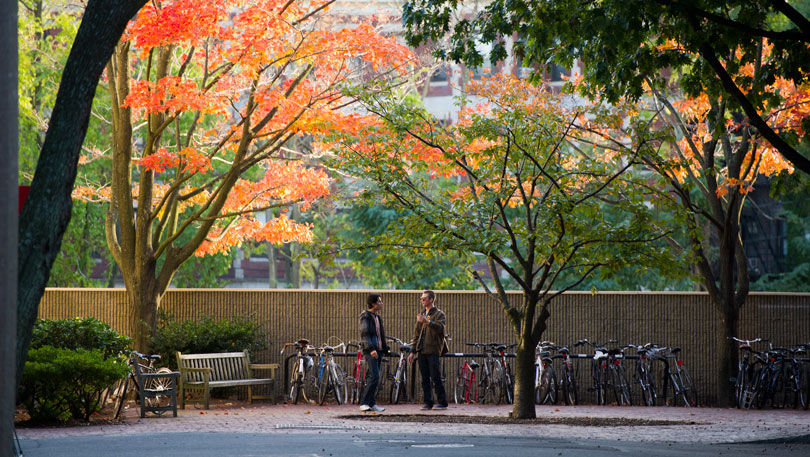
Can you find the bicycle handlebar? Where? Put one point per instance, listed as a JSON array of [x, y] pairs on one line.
[[300, 344], [748, 342]]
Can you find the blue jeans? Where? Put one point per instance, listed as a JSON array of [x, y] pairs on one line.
[[372, 379], [430, 367]]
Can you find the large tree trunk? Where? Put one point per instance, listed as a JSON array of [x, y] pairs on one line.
[[524, 381], [46, 214], [145, 297]]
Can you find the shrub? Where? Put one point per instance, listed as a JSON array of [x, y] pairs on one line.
[[86, 333], [206, 335], [61, 383]]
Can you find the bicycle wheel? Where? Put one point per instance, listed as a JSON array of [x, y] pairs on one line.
[[351, 396], [122, 396], [740, 385], [647, 387], [296, 384], [498, 387], [688, 390], [399, 386], [487, 389], [762, 387], [159, 384], [509, 385], [465, 389], [569, 387], [552, 391], [803, 381], [792, 388], [621, 387], [324, 388], [599, 380], [340, 384], [779, 388], [541, 392], [804, 386]]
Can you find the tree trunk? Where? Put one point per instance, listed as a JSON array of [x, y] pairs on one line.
[[524, 382], [46, 214], [728, 359], [294, 272], [145, 300]]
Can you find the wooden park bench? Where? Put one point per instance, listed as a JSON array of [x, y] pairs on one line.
[[225, 369]]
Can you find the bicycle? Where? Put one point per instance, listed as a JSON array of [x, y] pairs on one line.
[[399, 380], [683, 387], [356, 381], [568, 378], [545, 378], [301, 366], [644, 376], [158, 384], [332, 378], [495, 384], [608, 374], [788, 388], [743, 383], [466, 389], [777, 378]]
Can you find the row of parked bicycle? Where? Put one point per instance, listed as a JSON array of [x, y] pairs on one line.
[[659, 372], [779, 377], [557, 375]]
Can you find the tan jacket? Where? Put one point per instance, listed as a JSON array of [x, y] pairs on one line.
[[434, 333]]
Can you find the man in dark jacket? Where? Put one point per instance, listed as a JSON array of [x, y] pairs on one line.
[[428, 340], [372, 336]]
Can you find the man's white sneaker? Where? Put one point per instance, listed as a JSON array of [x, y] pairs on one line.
[[365, 408], [377, 409]]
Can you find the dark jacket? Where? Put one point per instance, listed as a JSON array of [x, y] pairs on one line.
[[434, 333], [368, 334]]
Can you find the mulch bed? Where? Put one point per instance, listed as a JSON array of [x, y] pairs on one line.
[[499, 420]]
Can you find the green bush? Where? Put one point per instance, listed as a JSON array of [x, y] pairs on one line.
[[61, 383], [206, 335], [80, 333]]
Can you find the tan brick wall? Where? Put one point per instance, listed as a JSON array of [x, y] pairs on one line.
[[677, 318]]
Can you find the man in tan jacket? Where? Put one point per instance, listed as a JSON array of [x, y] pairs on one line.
[[428, 340]]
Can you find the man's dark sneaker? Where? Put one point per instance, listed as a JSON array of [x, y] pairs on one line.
[[440, 407], [426, 407]]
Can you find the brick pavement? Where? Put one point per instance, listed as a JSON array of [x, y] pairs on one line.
[[711, 425]]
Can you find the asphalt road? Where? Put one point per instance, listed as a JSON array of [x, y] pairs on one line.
[[328, 443]]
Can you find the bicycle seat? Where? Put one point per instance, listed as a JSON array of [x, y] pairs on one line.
[[545, 354], [473, 364], [614, 351], [675, 350], [405, 347], [303, 342], [500, 347], [563, 350]]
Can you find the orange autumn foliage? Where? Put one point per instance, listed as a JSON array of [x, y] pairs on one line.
[[218, 89]]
